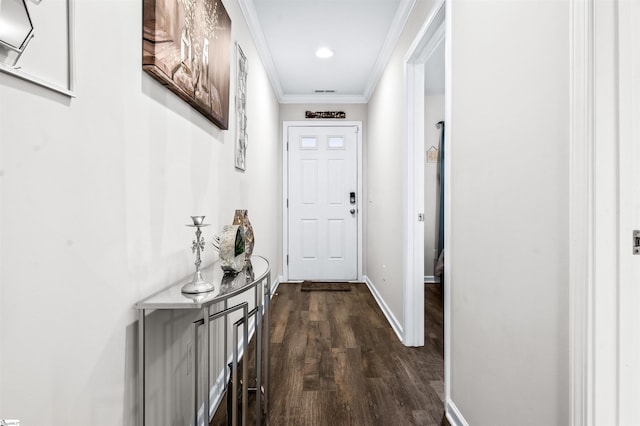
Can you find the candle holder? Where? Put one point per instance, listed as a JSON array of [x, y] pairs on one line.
[[197, 284]]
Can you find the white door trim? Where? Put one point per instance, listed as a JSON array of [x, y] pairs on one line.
[[604, 343], [604, 331], [581, 187], [413, 294], [629, 157], [285, 186], [427, 40]]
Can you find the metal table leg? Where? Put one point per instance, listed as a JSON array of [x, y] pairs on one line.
[[141, 369], [259, 306], [207, 366], [234, 377], [267, 301], [245, 366], [226, 337], [195, 372]]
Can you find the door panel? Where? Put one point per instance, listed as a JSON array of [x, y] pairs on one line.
[[336, 183], [323, 233], [335, 239], [309, 184], [309, 236]]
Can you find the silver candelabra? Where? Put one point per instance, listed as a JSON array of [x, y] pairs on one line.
[[197, 284]]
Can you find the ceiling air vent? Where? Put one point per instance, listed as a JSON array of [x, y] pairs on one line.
[[324, 91]]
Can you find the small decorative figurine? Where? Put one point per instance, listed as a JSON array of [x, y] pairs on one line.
[[231, 246]]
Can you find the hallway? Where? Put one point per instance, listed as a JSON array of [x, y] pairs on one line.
[[542, 212], [336, 361]]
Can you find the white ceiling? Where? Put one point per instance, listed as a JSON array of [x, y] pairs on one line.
[[362, 34]]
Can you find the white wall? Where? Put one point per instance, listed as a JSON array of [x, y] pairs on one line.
[[509, 211], [509, 206], [433, 113], [384, 167], [95, 193]]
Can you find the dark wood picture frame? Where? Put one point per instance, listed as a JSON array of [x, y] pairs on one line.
[[186, 47]]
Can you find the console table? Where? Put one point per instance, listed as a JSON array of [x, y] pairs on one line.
[[256, 275]]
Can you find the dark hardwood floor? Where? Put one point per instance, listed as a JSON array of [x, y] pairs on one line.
[[335, 360]]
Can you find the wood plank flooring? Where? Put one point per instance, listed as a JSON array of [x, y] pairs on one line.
[[335, 361]]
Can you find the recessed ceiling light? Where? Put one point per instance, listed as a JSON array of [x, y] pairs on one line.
[[324, 53]]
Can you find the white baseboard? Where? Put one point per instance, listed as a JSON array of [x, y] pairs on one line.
[[393, 321], [453, 414], [430, 279], [275, 284]]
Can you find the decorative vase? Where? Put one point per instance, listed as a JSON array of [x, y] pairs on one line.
[[231, 248], [241, 217]]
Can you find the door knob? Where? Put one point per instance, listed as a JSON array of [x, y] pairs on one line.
[[352, 211]]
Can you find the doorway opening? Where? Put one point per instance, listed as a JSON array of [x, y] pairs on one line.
[[427, 202], [425, 71]]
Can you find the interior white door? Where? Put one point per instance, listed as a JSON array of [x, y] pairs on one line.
[[322, 199]]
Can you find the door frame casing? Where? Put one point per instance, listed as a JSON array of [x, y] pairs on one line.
[[604, 346], [435, 30], [285, 187], [428, 39]]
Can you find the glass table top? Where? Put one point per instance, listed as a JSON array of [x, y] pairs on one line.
[[225, 286]]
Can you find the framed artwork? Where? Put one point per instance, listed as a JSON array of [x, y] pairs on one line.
[[36, 42], [186, 47], [241, 109]]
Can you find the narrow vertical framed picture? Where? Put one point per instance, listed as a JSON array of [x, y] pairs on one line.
[[241, 109]]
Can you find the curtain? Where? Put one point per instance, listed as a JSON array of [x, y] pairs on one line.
[[440, 125]]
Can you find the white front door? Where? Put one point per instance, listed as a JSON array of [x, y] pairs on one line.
[[322, 199]]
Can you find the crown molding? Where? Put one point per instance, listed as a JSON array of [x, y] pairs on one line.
[[399, 21], [257, 34]]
